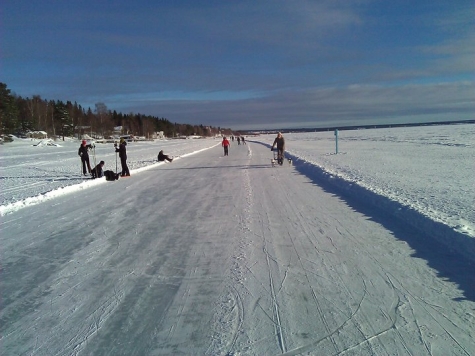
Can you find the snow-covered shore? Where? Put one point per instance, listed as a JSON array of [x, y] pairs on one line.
[[38, 170]]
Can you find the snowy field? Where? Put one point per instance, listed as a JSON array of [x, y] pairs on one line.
[[425, 170], [35, 170], [366, 252]]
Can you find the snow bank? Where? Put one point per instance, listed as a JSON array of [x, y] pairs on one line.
[[355, 194]]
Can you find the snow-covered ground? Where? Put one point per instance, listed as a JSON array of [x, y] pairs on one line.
[[368, 251], [36, 170], [426, 173]]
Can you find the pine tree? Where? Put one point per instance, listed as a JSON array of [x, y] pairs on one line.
[[62, 119], [9, 122]]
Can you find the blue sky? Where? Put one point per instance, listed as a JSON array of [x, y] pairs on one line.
[[247, 64]]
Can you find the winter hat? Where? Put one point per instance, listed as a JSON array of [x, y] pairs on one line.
[[101, 162], [84, 142]]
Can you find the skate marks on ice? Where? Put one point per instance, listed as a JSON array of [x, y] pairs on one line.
[[271, 270], [87, 301], [450, 252], [326, 288], [230, 311], [413, 319]]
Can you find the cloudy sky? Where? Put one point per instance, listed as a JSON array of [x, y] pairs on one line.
[[247, 64]]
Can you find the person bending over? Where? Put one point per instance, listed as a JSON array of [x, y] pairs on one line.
[[98, 171]]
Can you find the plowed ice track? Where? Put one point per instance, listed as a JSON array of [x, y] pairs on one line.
[[215, 255]]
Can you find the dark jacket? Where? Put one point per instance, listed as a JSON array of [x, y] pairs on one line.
[[280, 142], [122, 150], [83, 151], [162, 157], [98, 172]]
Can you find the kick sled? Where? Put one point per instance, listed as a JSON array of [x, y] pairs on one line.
[[277, 159]]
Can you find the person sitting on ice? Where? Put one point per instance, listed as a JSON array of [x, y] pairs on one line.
[[162, 157], [98, 171]]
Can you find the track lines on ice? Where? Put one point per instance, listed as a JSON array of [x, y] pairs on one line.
[[305, 348], [424, 305], [275, 304], [237, 307]]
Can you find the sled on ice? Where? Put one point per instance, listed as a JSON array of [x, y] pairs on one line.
[[279, 160]]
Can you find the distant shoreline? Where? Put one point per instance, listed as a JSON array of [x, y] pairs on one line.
[[361, 127]]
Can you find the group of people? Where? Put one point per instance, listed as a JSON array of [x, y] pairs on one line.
[[98, 171], [225, 143], [279, 142], [83, 152]]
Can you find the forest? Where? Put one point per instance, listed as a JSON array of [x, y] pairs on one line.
[[59, 119]]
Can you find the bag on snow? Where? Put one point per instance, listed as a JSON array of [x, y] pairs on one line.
[[110, 175]]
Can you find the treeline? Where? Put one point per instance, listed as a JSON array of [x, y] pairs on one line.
[[19, 116]]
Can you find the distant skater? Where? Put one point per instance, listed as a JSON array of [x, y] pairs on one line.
[[280, 142], [226, 145], [162, 157], [84, 154]]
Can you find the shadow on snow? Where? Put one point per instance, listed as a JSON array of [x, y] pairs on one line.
[[449, 252]]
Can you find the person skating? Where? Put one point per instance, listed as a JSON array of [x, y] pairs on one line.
[[84, 154], [162, 157], [98, 171], [280, 142], [226, 145], [123, 157]]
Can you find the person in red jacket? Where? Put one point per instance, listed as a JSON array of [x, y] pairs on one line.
[[226, 145]]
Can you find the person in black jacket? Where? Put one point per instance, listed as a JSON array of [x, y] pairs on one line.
[[123, 157], [84, 154], [162, 157], [280, 142], [98, 170]]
